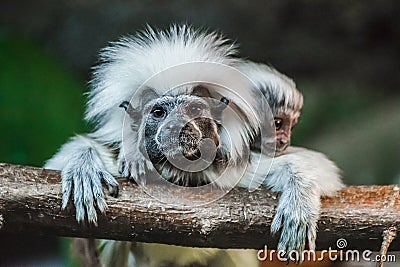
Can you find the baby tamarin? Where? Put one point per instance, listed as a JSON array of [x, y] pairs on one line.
[[156, 113], [282, 97]]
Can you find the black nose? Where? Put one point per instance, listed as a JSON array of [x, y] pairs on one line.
[[283, 142]]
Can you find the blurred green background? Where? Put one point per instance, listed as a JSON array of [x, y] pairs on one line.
[[343, 55]]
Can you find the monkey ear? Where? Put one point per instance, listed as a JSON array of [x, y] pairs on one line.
[[133, 114], [147, 95], [201, 91], [126, 105], [217, 110], [224, 101]]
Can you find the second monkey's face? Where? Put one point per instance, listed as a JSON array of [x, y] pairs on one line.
[[177, 125], [284, 124]]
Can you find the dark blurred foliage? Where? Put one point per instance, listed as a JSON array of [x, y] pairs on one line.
[[40, 103], [344, 56]]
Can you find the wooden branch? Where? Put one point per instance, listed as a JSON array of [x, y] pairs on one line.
[[30, 201]]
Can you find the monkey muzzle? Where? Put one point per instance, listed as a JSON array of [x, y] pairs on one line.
[[282, 142], [185, 138]]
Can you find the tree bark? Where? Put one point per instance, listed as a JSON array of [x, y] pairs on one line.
[[30, 201]]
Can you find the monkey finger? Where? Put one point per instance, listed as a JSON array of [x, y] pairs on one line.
[[101, 204], [311, 237], [121, 166], [110, 181], [277, 221], [292, 239], [139, 180], [298, 242], [125, 169], [135, 174], [87, 182], [90, 211], [142, 168], [98, 195], [78, 198], [113, 190], [149, 165], [66, 183]]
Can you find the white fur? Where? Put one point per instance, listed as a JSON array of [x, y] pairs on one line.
[[158, 55], [318, 171], [301, 176], [84, 165], [275, 86], [75, 146], [128, 63]]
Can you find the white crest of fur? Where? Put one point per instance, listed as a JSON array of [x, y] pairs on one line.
[[280, 91], [129, 62]]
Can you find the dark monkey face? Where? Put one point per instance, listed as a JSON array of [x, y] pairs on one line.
[[284, 124], [176, 125]]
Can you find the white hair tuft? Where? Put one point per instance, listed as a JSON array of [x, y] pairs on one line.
[[126, 64]]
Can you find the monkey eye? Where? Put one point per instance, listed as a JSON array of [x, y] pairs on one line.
[[278, 124], [158, 112], [194, 111]]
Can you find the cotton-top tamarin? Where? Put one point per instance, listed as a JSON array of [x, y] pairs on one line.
[[282, 97], [161, 100]]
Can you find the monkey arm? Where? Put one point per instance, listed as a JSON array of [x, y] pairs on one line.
[[84, 165], [314, 166], [298, 208], [302, 176]]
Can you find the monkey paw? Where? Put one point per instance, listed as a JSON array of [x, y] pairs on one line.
[[135, 169], [85, 175], [298, 225]]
